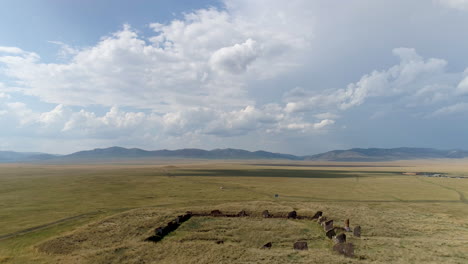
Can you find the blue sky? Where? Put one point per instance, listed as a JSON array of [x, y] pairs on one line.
[[295, 76]]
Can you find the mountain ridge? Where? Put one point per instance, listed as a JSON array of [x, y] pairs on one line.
[[228, 153], [384, 154], [348, 155]]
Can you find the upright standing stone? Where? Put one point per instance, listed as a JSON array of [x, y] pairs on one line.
[[154, 238], [159, 231], [267, 246], [292, 215], [216, 213], [300, 245], [346, 249], [346, 225], [328, 225], [186, 217], [242, 213], [330, 233], [321, 219], [171, 226], [357, 231], [341, 238], [317, 215]]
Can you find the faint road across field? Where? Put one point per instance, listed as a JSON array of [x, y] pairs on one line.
[[35, 228]]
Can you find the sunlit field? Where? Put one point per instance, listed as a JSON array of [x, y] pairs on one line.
[[92, 213]]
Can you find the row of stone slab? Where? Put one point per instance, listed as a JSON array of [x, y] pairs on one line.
[[330, 230], [299, 245], [265, 214], [218, 213], [340, 246], [162, 231]]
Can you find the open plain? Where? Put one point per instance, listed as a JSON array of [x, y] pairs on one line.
[[102, 213]]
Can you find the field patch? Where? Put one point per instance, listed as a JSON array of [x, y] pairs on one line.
[[202, 239], [391, 233], [271, 173], [103, 213]]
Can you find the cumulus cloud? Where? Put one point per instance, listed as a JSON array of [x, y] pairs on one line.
[[189, 77], [414, 77], [235, 59], [243, 121], [11, 50], [113, 124], [179, 66], [267, 119], [65, 50], [220, 74], [57, 115], [305, 127], [323, 123], [61, 121], [23, 114], [326, 115]]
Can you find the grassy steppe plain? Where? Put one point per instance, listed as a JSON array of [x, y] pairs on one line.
[[100, 213]]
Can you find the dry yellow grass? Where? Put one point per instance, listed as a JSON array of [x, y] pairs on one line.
[[405, 219], [391, 234]]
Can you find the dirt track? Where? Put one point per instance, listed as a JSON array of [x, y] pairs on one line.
[[35, 228]]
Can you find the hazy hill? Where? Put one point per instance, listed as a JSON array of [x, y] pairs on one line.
[[379, 154], [117, 153], [12, 156]]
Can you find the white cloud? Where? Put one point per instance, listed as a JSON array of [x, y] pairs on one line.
[[451, 109], [11, 50], [412, 77], [462, 87], [61, 121], [23, 114], [235, 59], [65, 50], [179, 67], [268, 119], [218, 75], [244, 121], [57, 115], [113, 124], [324, 123], [307, 127], [190, 77], [326, 115]]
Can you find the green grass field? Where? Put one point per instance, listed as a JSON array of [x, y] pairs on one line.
[[102, 213]]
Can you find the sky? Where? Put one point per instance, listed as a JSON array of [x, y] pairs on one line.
[[296, 76]]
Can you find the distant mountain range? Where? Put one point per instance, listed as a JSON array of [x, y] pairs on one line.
[[379, 154], [11, 156], [119, 153]]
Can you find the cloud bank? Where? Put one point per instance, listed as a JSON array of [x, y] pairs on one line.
[[239, 73]]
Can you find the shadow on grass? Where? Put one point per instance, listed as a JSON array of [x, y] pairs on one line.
[[268, 173]]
